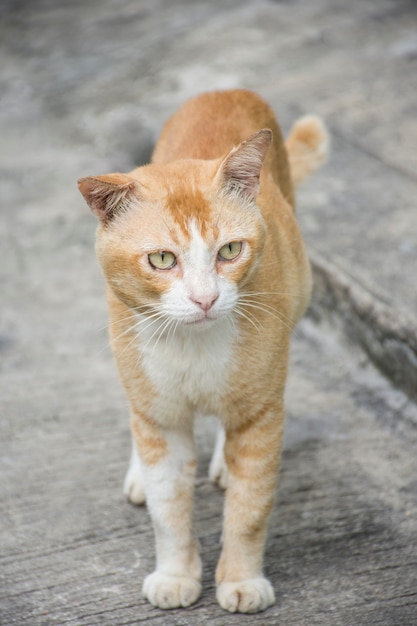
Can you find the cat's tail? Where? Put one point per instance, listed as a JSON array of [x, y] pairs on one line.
[[307, 147]]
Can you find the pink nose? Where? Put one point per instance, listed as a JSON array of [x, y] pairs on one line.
[[205, 302]]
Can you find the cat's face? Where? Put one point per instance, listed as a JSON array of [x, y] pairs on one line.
[[181, 241], [187, 261]]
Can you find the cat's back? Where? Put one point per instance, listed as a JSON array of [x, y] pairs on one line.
[[209, 125]]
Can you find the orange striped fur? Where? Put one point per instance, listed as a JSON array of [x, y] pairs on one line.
[[207, 275]]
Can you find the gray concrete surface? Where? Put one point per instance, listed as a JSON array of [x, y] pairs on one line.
[[84, 89]]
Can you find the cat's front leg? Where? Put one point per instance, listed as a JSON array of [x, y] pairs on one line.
[[168, 467], [252, 454]]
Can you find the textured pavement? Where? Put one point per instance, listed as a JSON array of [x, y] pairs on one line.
[[84, 89]]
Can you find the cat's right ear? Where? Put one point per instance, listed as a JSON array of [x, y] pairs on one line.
[[241, 169], [107, 195]]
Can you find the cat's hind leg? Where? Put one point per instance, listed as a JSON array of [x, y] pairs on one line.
[[218, 473], [133, 487]]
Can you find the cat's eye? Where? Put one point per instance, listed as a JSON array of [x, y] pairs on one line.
[[230, 251], [162, 260]]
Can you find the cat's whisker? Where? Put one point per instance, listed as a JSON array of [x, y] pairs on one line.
[[250, 297], [116, 322], [265, 308], [148, 318], [164, 326], [133, 315], [136, 330], [131, 342], [246, 316], [278, 315], [173, 328], [231, 319], [288, 294], [246, 297], [262, 305], [133, 312], [106, 327], [122, 334], [157, 316], [165, 321], [136, 326]]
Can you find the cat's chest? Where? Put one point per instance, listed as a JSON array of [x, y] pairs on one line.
[[190, 368]]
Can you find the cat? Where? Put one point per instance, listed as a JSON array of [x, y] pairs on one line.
[[207, 275]]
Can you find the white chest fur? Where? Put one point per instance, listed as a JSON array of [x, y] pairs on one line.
[[189, 368]]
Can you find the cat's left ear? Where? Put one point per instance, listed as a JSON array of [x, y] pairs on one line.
[[107, 195], [241, 169]]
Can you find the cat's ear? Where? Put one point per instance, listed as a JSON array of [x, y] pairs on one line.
[[106, 195], [241, 169]]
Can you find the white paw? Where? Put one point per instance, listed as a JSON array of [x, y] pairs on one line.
[[133, 486], [170, 592], [218, 472], [246, 596]]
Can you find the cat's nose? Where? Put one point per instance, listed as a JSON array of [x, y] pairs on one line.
[[205, 302]]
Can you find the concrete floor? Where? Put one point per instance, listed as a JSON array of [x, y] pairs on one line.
[[84, 89]]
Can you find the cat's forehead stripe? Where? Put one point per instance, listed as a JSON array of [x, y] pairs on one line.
[[188, 207]]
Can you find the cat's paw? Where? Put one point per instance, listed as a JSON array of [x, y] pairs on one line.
[[170, 592], [133, 487], [246, 596]]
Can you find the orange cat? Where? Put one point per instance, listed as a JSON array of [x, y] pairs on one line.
[[207, 276]]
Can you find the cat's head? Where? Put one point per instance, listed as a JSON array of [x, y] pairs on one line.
[[182, 239]]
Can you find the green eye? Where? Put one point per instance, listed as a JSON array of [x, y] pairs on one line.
[[230, 251], [162, 260]]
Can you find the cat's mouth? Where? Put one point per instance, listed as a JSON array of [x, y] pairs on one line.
[[201, 321]]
